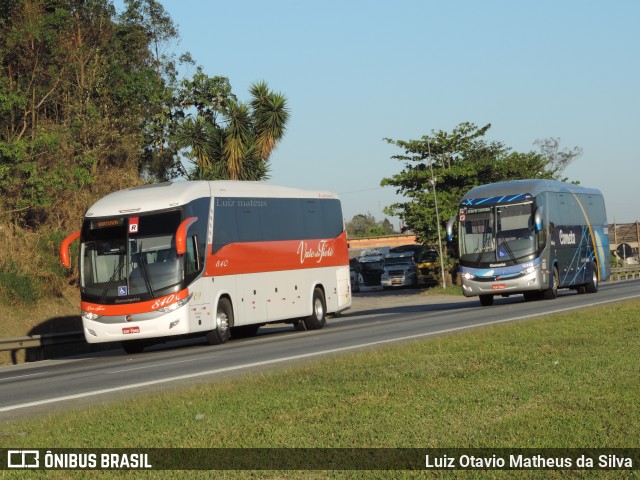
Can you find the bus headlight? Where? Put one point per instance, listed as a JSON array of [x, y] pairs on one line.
[[529, 270], [174, 306], [468, 276], [90, 316]]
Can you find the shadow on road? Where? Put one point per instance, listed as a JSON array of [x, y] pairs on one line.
[[52, 347]]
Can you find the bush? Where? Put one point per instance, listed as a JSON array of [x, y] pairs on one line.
[[30, 270], [16, 288]]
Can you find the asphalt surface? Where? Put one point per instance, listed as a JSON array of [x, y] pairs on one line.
[[376, 319]]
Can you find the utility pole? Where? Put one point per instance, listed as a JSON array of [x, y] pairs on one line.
[[435, 199]]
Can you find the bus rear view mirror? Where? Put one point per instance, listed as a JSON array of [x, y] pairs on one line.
[[450, 224], [537, 220], [181, 235], [64, 249]]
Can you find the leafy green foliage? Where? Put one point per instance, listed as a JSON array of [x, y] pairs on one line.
[[367, 226], [76, 89], [453, 163], [226, 138], [91, 102], [17, 288]]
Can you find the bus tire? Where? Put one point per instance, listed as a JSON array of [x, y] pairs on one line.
[[300, 325], [245, 331], [551, 293], [486, 300], [224, 320], [592, 286], [318, 318], [133, 346]]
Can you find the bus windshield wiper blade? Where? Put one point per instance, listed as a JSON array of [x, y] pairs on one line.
[[486, 241], [116, 273], [145, 274], [507, 248]]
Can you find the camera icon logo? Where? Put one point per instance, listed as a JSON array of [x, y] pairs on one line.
[[23, 459]]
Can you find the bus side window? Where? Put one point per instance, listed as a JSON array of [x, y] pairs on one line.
[[542, 239], [193, 256], [196, 237]]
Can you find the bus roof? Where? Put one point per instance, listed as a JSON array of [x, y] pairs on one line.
[[162, 196], [531, 186]]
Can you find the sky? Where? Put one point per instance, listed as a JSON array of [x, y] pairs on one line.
[[358, 71]]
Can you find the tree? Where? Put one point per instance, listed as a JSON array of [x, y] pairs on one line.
[[366, 226], [226, 138], [456, 161], [152, 30], [559, 160], [62, 122]]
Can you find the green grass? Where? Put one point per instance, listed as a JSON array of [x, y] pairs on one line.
[[16, 288], [562, 381], [448, 290]]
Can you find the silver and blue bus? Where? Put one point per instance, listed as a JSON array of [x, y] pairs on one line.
[[531, 237]]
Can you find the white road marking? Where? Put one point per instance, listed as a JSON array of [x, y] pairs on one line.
[[298, 357]]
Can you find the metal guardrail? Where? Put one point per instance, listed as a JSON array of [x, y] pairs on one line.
[[40, 341], [55, 339], [624, 273]]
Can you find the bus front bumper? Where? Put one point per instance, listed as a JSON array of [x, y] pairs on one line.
[[531, 279], [118, 328]]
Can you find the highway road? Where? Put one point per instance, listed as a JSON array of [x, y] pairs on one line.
[[377, 319]]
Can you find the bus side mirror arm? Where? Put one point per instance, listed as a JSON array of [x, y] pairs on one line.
[[181, 235], [64, 249], [450, 225], [538, 223]]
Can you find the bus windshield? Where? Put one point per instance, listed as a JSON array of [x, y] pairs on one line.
[[497, 233], [125, 257]]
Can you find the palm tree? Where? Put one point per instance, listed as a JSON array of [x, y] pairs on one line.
[[270, 116], [237, 138], [239, 146]]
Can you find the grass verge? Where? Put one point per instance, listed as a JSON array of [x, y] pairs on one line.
[[562, 381], [454, 290]]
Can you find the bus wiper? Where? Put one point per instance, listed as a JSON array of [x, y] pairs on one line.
[[145, 273], [487, 240], [116, 273], [507, 248]]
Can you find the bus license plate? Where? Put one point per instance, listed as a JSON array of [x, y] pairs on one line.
[[128, 330], [499, 286]]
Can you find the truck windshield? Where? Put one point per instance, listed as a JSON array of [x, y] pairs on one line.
[[497, 233], [124, 257], [398, 261]]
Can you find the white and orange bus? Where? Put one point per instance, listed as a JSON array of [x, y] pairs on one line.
[[215, 258]]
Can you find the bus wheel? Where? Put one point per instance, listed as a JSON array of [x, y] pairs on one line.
[[244, 331], [133, 346], [592, 286], [224, 320], [552, 292], [486, 300], [317, 319]]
